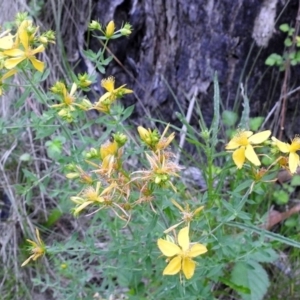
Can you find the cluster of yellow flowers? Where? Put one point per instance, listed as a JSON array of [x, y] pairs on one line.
[[108, 185], [69, 101], [19, 50], [242, 144], [112, 185], [113, 189]]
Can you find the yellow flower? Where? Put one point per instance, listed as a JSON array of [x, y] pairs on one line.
[[37, 249], [21, 55], [153, 139], [292, 150], [110, 29], [110, 147], [242, 142], [181, 254], [87, 197], [103, 198], [112, 94], [68, 104], [164, 142], [161, 170], [187, 214]]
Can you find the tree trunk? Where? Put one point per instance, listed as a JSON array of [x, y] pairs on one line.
[[177, 45]]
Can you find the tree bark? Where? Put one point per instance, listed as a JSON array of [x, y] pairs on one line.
[[177, 45]]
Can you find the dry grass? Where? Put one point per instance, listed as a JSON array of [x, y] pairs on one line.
[[30, 207]]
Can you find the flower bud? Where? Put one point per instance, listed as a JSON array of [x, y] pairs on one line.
[[73, 175], [94, 25], [120, 139], [126, 30], [110, 29]]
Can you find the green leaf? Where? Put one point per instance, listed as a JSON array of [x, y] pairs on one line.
[[238, 288], [106, 61], [284, 27], [297, 56], [255, 123], [292, 222], [53, 217], [268, 234], [229, 118], [274, 59], [100, 68], [288, 42], [295, 180], [252, 276], [264, 255], [281, 197], [245, 185], [54, 147], [29, 175], [25, 157], [127, 113], [294, 62], [45, 74]]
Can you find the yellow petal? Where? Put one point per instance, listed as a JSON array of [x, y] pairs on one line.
[[198, 210], [183, 238], [110, 29], [251, 155], [260, 137], [32, 242], [127, 91], [283, 147], [12, 62], [197, 249], [295, 145], [108, 148], [172, 227], [77, 200], [108, 84], [247, 133], [14, 52], [38, 236], [177, 205], [73, 89], [6, 42], [104, 97], [23, 35], [27, 260], [173, 267], [8, 74], [38, 65], [238, 157], [82, 207], [233, 144], [143, 132], [39, 49], [167, 248], [293, 162], [188, 267]]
